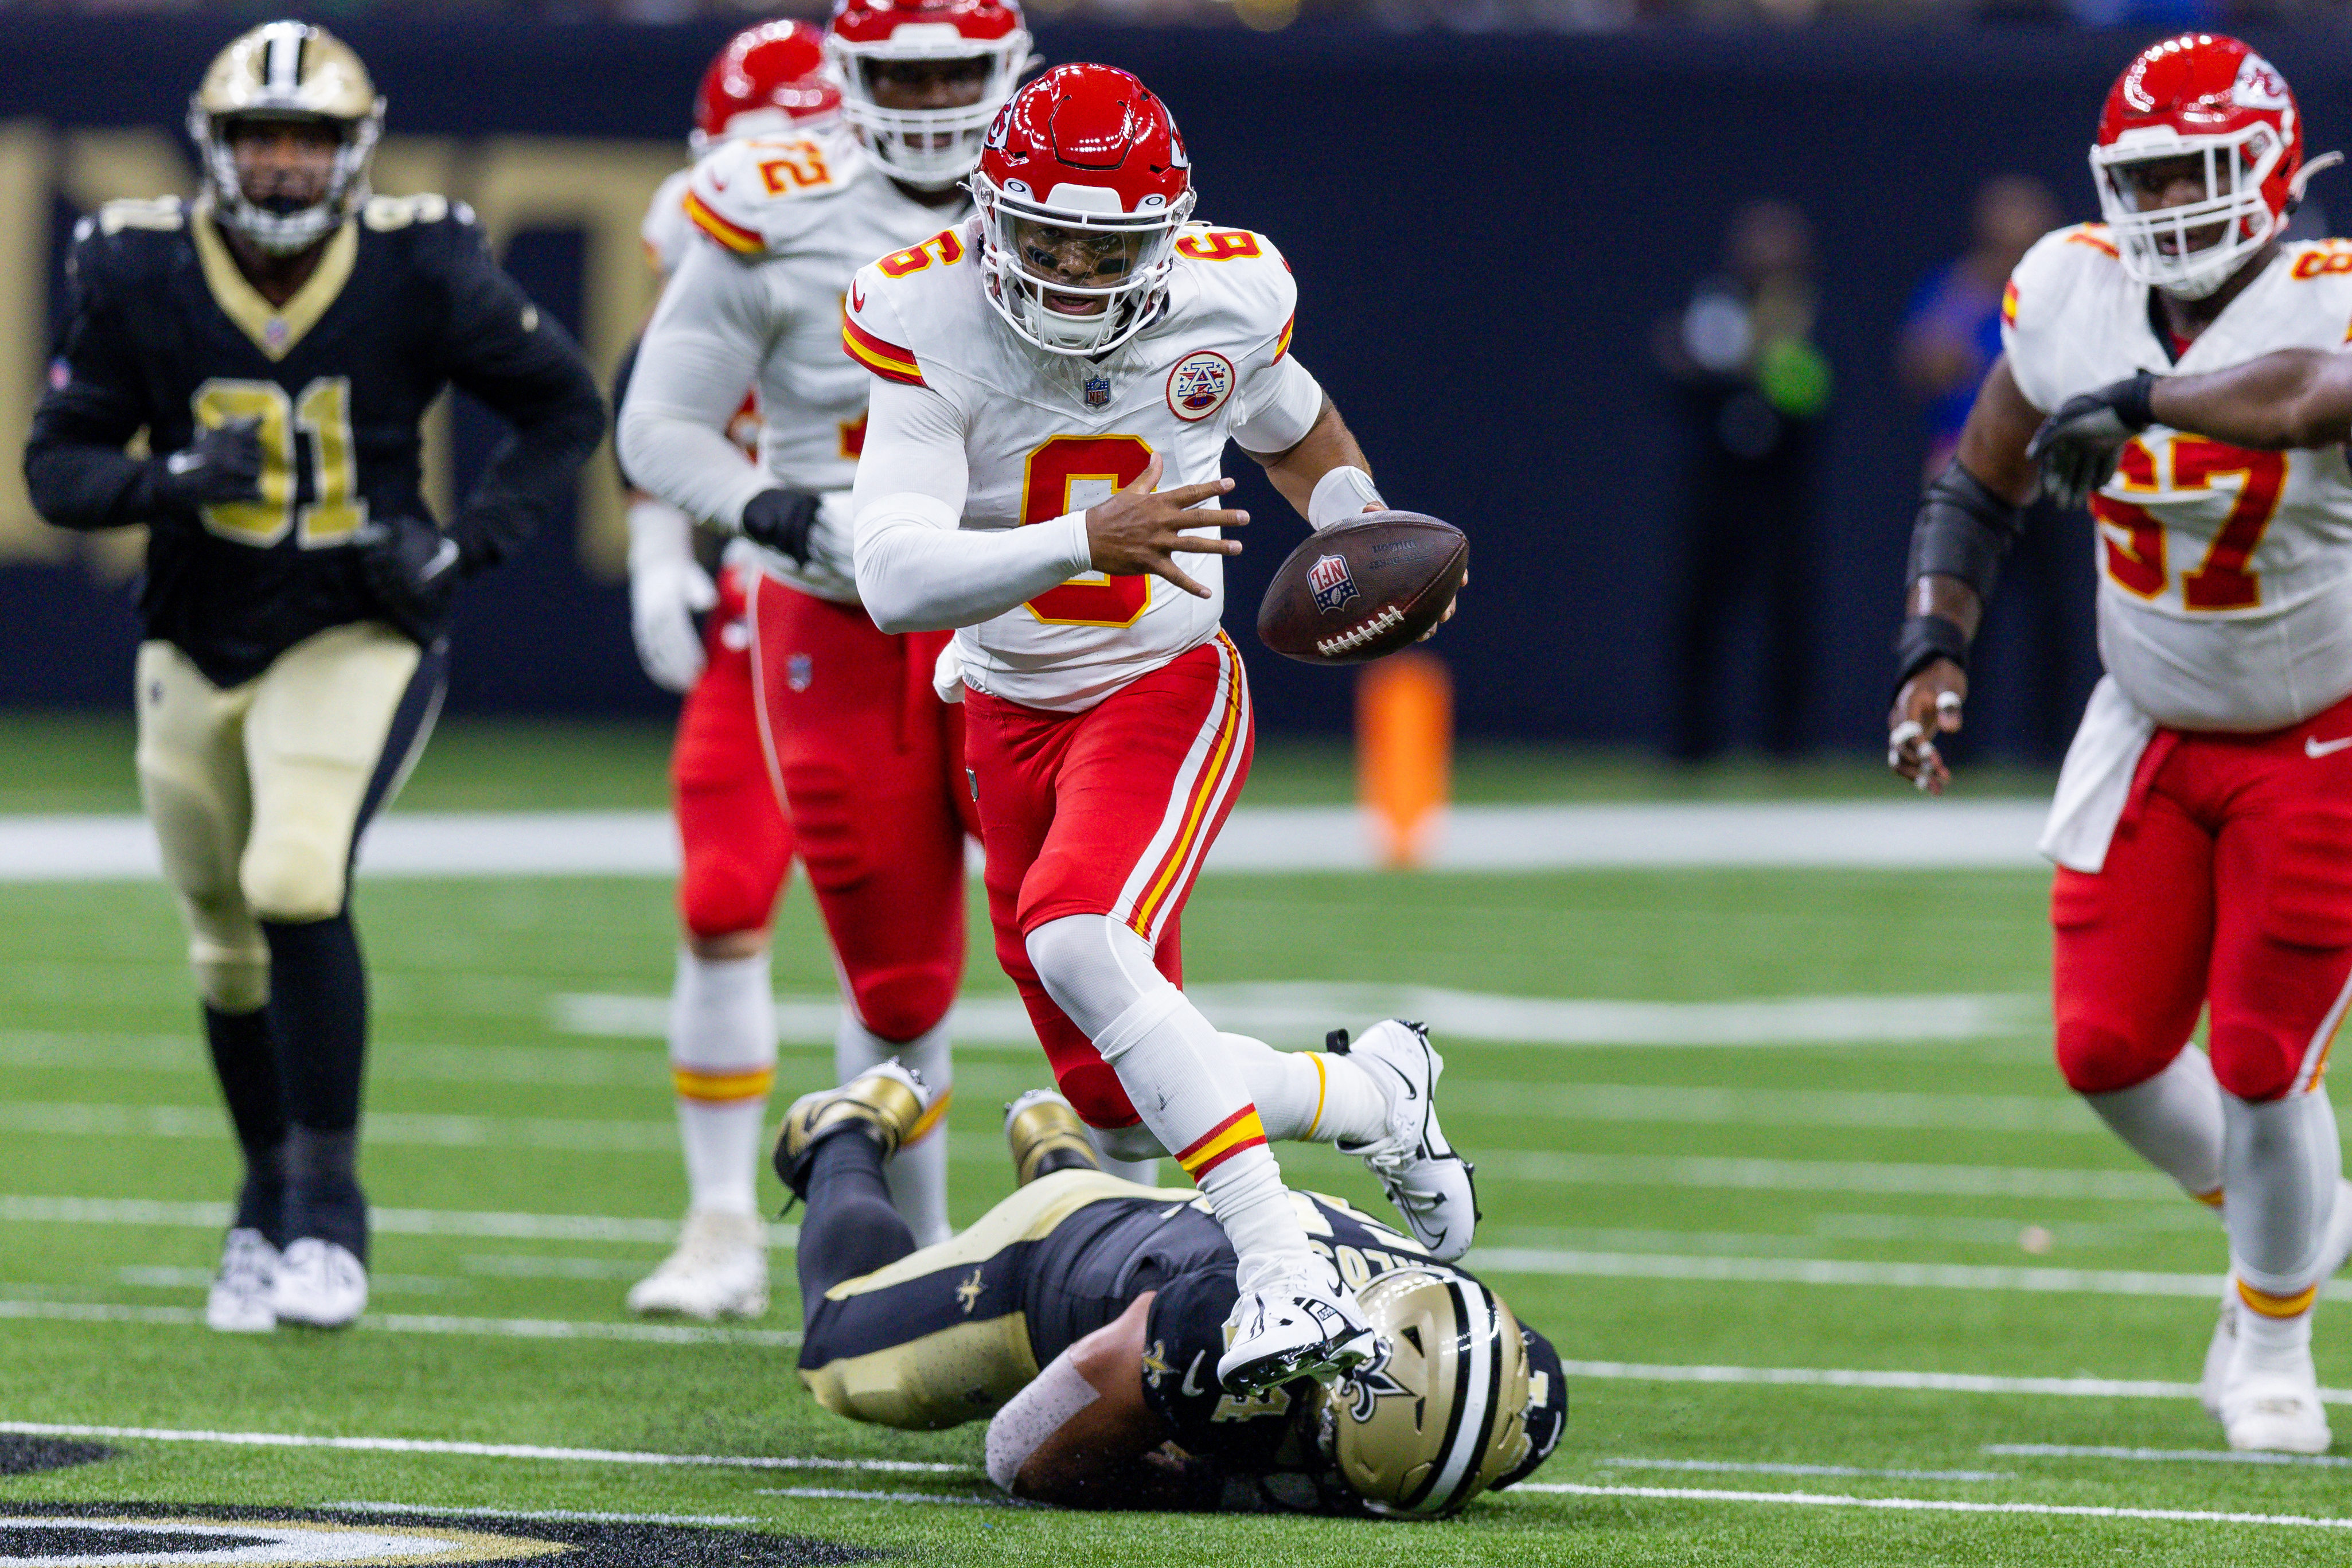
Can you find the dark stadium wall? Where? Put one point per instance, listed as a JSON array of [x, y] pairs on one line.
[[1483, 231]]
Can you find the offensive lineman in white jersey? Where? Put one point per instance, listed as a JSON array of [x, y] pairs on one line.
[[866, 758], [2203, 847], [1046, 364]]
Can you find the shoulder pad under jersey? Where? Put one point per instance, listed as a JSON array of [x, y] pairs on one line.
[[1240, 271], [757, 196]]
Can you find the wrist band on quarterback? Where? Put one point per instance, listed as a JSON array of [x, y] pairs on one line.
[[1923, 640], [1342, 493]]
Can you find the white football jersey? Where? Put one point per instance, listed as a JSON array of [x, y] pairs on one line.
[[788, 219], [2225, 575], [1046, 435], [667, 230]]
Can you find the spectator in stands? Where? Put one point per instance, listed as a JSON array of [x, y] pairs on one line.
[[1950, 337], [1752, 389]]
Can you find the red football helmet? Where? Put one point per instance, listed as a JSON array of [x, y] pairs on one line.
[[2206, 97], [1084, 162], [931, 149], [768, 78]]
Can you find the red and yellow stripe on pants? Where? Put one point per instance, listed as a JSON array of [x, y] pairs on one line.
[[1211, 769], [1241, 1131], [721, 1088]]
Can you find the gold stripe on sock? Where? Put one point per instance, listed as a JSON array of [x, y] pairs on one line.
[[2211, 1200], [929, 1119], [1322, 1086], [2271, 1306], [721, 1088]]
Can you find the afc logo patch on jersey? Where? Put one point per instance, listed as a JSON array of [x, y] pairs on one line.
[[1199, 385], [1335, 589]]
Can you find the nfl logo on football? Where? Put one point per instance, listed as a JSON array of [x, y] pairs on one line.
[[1199, 385], [1334, 588]]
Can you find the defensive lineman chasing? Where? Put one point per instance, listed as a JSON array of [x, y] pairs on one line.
[[277, 339]]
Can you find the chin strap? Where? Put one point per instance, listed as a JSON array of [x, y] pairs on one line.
[[2295, 187]]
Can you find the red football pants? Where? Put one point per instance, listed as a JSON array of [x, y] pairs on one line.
[[869, 763], [1108, 812], [736, 846], [2228, 885]]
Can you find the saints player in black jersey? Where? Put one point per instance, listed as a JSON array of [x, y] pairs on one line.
[[277, 339], [1084, 1315]]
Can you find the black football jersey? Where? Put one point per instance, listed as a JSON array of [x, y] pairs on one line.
[[162, 333], [1111, 1252]]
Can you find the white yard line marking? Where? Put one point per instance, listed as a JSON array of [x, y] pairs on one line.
[[841, 1494], [1771, 1469], [1856, 834], [559, 1514], [384, 1221], [486, 1451], [155, 1276], [2167, 1456], [60, 1118], [1822, 1176], [1742, 1107], [417, 1323], [1838, 1271], [1938, 1505], [1304, 1010], [1923, 1382]]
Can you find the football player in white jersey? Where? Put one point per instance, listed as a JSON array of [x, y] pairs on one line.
[[2203, 850], [736, 845], [1038, 371], [866, 759]]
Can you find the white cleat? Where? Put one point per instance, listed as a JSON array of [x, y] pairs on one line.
[[241, 1299], [1429, 1184], [1299, 1324], [2220, 1350], [320, 1285], [719, 1270], [2272, 1411]]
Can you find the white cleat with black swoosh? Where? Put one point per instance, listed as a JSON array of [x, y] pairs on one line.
[[1429, 1184]]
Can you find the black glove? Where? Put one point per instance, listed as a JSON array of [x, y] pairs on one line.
[[222, 465], [2075, 448], [780, 519], [412, 570]]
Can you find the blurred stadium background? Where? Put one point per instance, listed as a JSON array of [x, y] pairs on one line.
[[1483, 292]]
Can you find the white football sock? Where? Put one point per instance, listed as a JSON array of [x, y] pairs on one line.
[[723, 1055], [1189, 1090], [1143, 1171], [917, 1175], [1311, 1097], [2173, 1120], [2284, 1165]]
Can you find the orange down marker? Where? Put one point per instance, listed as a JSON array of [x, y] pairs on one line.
[[1404, 751]]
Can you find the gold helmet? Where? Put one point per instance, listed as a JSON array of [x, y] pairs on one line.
[[286, 70], [1455, 1399]]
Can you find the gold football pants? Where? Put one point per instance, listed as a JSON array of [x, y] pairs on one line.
[[257, 791]]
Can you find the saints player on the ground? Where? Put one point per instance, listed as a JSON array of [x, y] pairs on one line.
[[1085, 1315], [277, 339], [866, 757]]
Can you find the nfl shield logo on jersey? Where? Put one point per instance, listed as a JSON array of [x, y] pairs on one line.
[[1334, 588], [1097, 390], [1199, 385]]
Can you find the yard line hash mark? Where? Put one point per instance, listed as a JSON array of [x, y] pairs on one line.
[[417, 1323], [1840, 1271], [1759, 1469], [1919, 1381], [494, 1224], [2168, 1456]]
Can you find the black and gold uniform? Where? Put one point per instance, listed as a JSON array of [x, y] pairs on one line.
[[948, 1333], [164, 334], [277, 340]]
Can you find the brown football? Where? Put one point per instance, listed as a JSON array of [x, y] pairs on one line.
[[1366, 588]]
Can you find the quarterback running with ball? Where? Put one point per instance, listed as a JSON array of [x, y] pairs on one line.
[[1038, 371], [2201, 830], [864, 757]]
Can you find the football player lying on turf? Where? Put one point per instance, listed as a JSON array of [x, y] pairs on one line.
[[2204, 854], [1119, 1293]]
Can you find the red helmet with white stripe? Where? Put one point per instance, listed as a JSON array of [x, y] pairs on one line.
[[930, 148], [768, 78], [1084, 178], [2208, 98]]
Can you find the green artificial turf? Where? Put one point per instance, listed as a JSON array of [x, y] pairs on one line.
[[482, 1105]]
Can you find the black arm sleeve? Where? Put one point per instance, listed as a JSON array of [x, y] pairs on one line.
[[521, 363], [75, 467]]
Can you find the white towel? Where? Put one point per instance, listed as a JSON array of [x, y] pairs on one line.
[[2095, 784]]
